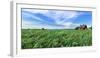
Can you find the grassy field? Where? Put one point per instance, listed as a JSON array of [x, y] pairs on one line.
[[37, 38]]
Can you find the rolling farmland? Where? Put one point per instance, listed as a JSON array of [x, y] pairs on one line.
[[52, 38]]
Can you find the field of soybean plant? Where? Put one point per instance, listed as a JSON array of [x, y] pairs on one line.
[[54, 38]]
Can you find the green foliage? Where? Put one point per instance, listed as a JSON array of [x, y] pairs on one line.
[[90, 27], [37, 38]]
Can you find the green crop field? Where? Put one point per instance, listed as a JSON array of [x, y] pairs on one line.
[[48, 38]]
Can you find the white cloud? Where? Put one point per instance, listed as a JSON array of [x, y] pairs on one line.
[[30, 15], [58, 16], [26, 24], [70, 25], [64, 18], [30, 25]]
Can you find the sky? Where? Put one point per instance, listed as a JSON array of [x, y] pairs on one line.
[[54, 19]]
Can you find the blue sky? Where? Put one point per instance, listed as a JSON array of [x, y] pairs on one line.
[[54, 19]]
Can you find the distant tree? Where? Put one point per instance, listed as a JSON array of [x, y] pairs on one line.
[[43, 29], [90, 27], [82, 27], [77, 28]]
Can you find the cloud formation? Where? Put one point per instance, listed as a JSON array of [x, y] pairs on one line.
[[50, 19]]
